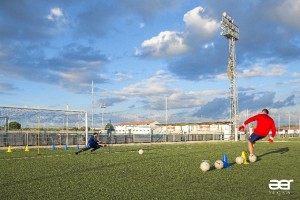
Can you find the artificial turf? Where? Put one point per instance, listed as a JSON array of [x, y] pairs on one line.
[[164, 171]]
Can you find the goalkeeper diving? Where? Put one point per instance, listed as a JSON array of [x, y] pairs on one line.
[[93, 144]]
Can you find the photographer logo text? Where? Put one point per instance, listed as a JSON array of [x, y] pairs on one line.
[[280, 186]]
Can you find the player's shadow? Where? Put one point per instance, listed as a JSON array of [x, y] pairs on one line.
[[280, 151]]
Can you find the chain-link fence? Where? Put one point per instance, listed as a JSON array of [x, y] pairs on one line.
[[48, 139], [74, 138]]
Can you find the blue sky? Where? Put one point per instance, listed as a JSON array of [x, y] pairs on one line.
[[138, 52]]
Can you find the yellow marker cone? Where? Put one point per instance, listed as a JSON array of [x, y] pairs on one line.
[[9, 149], [26, 148], [244, 157]]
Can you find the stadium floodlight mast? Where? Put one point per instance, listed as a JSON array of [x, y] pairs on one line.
[[231, 32]]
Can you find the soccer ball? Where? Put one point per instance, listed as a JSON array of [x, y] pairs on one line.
[[252, 158], [204, 166], [219, 164], [239, 160], [141, 151]]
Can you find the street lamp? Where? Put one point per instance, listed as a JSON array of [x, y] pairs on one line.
[[103, 106]]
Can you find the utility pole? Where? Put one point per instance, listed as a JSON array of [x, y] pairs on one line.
[[103, 106], [166, 116], [92, 105]]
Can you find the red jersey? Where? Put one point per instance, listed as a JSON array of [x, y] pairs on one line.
[[264, 124]]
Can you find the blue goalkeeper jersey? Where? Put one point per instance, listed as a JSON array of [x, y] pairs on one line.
[[93, 141]]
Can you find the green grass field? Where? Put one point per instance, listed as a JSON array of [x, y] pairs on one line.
[[164, 171]]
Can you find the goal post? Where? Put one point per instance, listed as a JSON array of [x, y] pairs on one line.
[[61, 121]]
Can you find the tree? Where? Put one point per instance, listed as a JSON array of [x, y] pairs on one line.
[[109, 126], [14, 125], [83, 128]]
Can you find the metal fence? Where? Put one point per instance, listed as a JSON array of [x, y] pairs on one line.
[[48, 139]]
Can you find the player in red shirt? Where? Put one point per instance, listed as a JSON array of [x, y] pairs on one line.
[[264, 124]]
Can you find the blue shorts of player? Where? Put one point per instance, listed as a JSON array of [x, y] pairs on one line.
[[254, 137]]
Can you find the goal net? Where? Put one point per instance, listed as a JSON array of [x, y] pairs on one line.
[[42, 126]]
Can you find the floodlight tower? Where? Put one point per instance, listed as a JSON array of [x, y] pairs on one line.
[[231, 32]]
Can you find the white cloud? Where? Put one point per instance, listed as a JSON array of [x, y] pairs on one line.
[[167, 43], [259, 71], [154, 90], [289, 13], [208, 45], [122, 76], [178, 99], [170, 43], [154, 85], [144, 88], [276, 70], [207, 93], [160, 72], [222, 76], [199, 25], [255, 71], [247, 88], [55, 13], [296, 74], [57, 17], [295, 81], [76, 77]]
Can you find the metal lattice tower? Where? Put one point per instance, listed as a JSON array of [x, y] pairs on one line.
[[231, 32]]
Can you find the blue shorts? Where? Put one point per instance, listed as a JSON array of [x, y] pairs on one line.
[[254, 137], [95, 146]]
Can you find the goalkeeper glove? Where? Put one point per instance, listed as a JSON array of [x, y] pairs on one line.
[[242, 128], [271, 140]]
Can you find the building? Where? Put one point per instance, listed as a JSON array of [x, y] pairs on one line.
[[154, 127], [126, 128], [195, 128]]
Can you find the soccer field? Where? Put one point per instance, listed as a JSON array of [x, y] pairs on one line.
[[164, 171]]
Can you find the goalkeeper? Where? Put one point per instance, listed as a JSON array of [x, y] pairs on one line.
[[93, 144], [265, 124]]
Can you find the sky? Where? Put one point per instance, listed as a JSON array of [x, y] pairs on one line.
[[160, 60]]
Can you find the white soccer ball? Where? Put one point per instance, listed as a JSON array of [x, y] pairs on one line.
[[219, 164], [204, 166], [141, 151], [252, 158], [239, 160]]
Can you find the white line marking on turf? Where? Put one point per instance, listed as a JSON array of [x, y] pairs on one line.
[[34, 157]]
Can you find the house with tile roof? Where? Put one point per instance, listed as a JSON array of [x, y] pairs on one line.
[[145, 127]]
